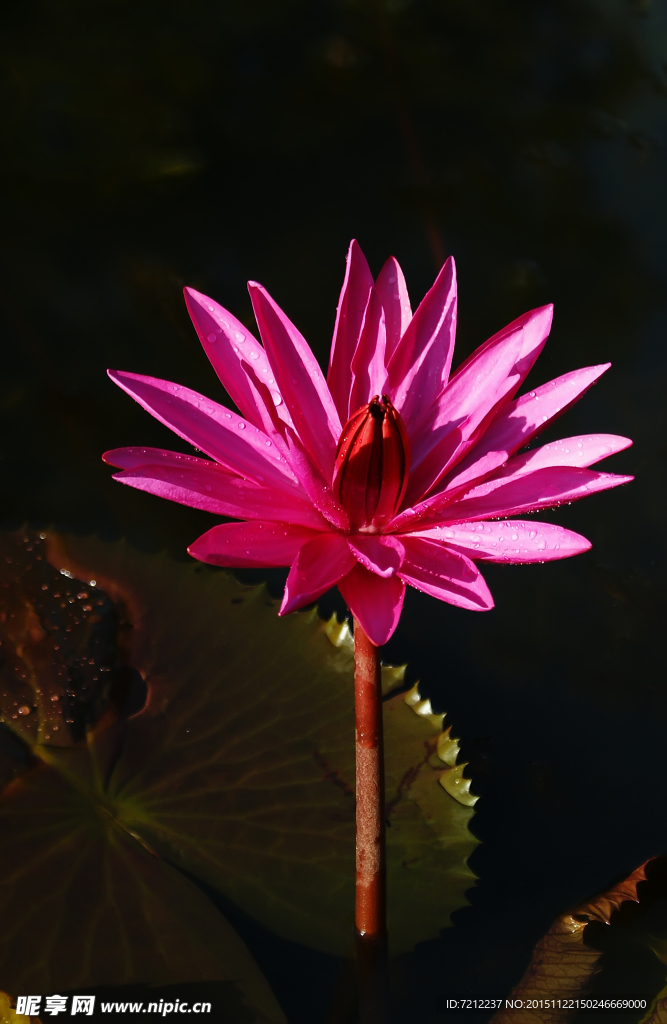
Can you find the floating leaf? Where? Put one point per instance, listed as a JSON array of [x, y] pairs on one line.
[[83, 903], [239, 770], [250, 782], [58, 643], [562, 964]]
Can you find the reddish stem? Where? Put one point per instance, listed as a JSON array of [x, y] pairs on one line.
[[370, 904]]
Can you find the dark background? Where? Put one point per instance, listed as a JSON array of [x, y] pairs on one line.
[[148, 145]]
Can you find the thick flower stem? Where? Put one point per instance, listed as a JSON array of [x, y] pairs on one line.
[[370, 904]]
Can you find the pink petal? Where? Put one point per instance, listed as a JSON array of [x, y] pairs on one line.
[[205, 485], [221, 433], [300, 380], [368, 368], [470, 396], [582, 450], [296, 457], [445, 574], [319, 565], [420, 364], [482, 385], [521, 420], [375, 602], [534, 327], [382, 555], [393, 293], [545, 488], [349, 319], [512, 540], [244, 545], [470, 400], [226, 342]]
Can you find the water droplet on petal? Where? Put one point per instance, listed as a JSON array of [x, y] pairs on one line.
[[268, 444], [211, 337], [254, 355], [277, 398], [239, 337], [241, 426], [228, 415]]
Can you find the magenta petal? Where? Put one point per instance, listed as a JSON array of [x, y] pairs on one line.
[[520, 421], [450, 441], [512, 540], [545, 488], [445, 574], [368, 365], [226, 342], [393, 294], [420, 364], [244, 545], [224, 435], [300, 380], [486, 379], [382, 555], [533, 326], [283, 436], [352, 304], [375, 602], [582, 451], [319, 565], [205, 485]]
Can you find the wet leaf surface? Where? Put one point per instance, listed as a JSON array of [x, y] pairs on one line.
[[239, 770], [251, 716]]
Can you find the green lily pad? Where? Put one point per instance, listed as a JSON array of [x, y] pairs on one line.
[[250, 780], [84, 903], [239, 770]]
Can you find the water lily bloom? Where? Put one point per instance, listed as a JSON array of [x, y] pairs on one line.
[[389, 472]]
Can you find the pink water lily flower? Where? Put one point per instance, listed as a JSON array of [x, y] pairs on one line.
[[388, 473]]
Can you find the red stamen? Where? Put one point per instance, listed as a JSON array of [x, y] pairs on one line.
[[372, 465]]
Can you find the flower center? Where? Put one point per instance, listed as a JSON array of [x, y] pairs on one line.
[[372, 465]]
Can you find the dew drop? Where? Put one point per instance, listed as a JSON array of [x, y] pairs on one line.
[[271, 380], [277, 398], [239, 337], [532, 394], [241, 426], [228, 415], [207, 487], [24, 710], [211, 337], [254, 355], [268, 444]]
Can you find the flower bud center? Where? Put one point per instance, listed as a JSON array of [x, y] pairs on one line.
[[372, 465]]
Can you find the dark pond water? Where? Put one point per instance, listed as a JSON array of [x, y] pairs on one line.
[[149, 145]]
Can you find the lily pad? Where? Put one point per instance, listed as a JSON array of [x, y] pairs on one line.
[[84, 903], [563, 963], [250, 781], [239, 770]]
